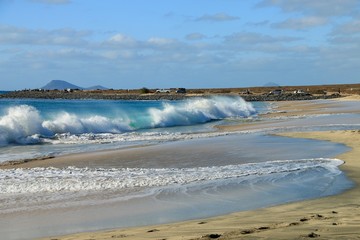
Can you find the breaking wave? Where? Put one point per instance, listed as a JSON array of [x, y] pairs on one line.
[[72, 179], [26, 124], [200, 111], [44, 188]]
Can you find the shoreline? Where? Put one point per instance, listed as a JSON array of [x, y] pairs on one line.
[[318, 218], [58, 95], [284, 109], [331, 217], [285, 93], [305, 107]]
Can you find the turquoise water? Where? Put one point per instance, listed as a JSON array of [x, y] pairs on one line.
[[29, 121], [35, 128], [182, 167]]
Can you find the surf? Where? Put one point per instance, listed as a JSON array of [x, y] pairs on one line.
[[40, 121], [73, 183]]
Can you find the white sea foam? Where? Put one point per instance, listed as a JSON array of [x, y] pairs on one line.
[[40, 188], [25, 124], [70, 123], [200, 111], [21, 124], [71, 179]]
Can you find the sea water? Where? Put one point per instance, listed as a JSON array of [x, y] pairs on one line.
[[186, 170], [80, 123]]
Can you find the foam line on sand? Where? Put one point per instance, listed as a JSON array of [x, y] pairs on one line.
[[334, 217]]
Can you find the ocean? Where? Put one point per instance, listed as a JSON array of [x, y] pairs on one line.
[[167, 162], [38, 128]]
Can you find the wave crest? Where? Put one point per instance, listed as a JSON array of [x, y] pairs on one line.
[[200, 110], [21, 124], [25, 124], [70, 123]]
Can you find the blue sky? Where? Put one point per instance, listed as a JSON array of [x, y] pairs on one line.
[[179, 43]]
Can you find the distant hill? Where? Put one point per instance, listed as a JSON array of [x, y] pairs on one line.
[[61, 85], [271, 84], [97, 87]]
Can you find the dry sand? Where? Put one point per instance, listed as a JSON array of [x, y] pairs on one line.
[[285, 109], [334, 217], [350, 98]]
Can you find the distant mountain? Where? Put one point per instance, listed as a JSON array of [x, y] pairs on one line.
[[271, 84], [97, 87], [61, 85]]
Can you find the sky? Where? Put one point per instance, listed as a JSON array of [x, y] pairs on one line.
[[179, 43]]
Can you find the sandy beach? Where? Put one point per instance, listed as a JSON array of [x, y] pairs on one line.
[[179, 120], [333, 217]]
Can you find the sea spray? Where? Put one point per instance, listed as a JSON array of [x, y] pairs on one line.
[[200, 111], [21, 124], [42, 122], [73, 124]]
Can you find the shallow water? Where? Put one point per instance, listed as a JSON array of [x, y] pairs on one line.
[[187, 172], [170, 182], [38, 128], [175, 204]]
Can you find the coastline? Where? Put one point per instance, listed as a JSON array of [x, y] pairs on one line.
[[284, 109], [287, 93], [83, 95], [330, 217], [250, 223]]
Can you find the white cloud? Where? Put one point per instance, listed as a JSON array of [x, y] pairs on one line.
[[315, 7], [346, 34], [345, 40], [14, 35], [348, 28], [258, 24], [120, 48], [156, 41], [122, 39], [195, 36], [218, 17], [113, 55], [253, 38], [122, 55], [301, 23]]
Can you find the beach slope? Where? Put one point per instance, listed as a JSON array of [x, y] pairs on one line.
[[334, 217]]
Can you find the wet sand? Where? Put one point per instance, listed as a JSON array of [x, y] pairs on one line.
[[334, 217], [294, 109], [283, 109]]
